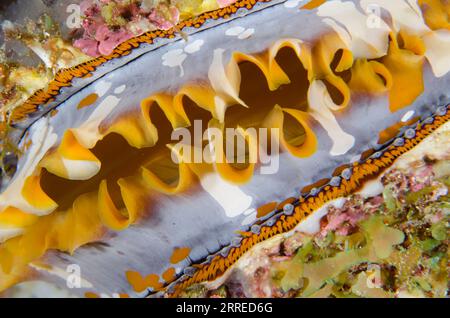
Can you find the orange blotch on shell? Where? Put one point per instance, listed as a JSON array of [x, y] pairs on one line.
[[179, 254], [283, 203], [266, 209], [313, 4], [316, 185], [392, 131], [88, 101], [169, 275], [91, 295], [244, 233], [140, 283]]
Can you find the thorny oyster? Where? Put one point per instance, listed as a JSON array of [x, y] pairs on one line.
[[323, 103]]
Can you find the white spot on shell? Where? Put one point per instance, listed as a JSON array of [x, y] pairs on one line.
[[194, 46], [292, 3], [120, 89], [175, 58], [235, 31], [102, 87], [407, 116], [246, 34], [240, 32]]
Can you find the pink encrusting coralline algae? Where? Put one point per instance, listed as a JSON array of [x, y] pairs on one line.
[[107, 23]]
